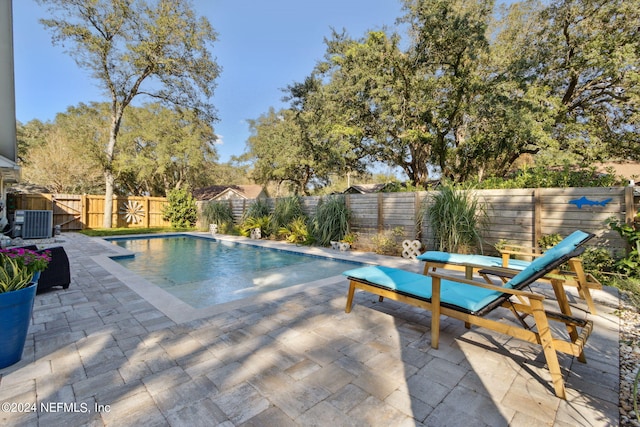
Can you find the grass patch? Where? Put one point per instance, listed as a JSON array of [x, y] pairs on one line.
[[104, 232]]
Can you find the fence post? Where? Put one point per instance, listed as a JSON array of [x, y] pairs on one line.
[[114, 211], [417, 233], [630, 209], [84, 216], [537, 217], [380, 214], [147, 209]]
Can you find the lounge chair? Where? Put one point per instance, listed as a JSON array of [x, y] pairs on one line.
[[505, 267], [469, 301]]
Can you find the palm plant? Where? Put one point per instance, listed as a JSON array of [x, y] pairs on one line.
[[331, 221], [257, 209], [457, 219], [286, 210], [219, 213], [263, 223], [296, 232]]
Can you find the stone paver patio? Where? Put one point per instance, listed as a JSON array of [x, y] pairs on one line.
[[101, 354]]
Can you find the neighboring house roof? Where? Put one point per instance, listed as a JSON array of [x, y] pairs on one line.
[[365, 188], [215, 192], [388, 187], [24, 187]]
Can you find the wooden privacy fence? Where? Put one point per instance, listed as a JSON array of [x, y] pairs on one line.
[[518, 216], [77, 212]]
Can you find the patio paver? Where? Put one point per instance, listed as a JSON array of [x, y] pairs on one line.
[[293, 359]]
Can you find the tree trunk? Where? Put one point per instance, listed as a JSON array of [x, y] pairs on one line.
[[109, 179], [108, 198]]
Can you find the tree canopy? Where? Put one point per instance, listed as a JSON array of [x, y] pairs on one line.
[[158, 49], [161, 150], [458, 89], [464, 91]]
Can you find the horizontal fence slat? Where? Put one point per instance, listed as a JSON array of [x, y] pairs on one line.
[[511, 214]]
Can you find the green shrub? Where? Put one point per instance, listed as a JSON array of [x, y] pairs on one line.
[[544, 177], [548, 241], [219, 213], [331, 221], [386, 242], [457, 219], [181, 210], [598, 261], [257, 209], [630, 264], [296, 232], [263, 223], [285, 211]]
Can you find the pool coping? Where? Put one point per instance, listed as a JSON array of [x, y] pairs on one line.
[[181, 312]]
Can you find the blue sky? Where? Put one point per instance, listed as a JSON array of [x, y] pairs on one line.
[[263, 46]]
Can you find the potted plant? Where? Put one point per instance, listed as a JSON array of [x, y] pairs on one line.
[[347, 241], [19, 273]]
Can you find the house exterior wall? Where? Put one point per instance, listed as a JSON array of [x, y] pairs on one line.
[[9, 171], [7, 85]]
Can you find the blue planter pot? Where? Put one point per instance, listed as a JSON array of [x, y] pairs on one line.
[[15, 315]]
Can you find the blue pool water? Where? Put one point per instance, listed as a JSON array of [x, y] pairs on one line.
[[204, 272]]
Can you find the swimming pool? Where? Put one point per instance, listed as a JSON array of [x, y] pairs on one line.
[[204, 272]]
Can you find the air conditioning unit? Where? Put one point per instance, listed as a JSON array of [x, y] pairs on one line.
[[33, 224]]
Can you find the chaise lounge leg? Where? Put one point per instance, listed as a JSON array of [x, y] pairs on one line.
[[352, 289], [583, 289], [546, 340], [565, 308], [435, 312]]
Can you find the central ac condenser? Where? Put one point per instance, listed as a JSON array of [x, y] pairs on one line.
[[33, 224]]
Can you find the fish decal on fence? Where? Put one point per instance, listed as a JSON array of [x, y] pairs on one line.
[[583, 201]]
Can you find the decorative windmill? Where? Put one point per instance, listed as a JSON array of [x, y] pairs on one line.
[[133, 212]]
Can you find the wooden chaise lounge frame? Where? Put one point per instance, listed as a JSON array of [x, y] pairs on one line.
[[505, 267], [527, 304]]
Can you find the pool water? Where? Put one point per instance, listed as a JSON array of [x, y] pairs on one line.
[[204, 272]]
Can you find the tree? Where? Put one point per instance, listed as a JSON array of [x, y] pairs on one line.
[[164, 150], [450, 46], [160, 150], [156, 49], [275, 145], [327, 146], [29, 135], [63, 155], [302, 146], [380, 98], [468, 95], [584, 55], [412, 107], [63, 166]]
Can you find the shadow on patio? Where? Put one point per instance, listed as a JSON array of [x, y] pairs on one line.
[[300, 360]]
